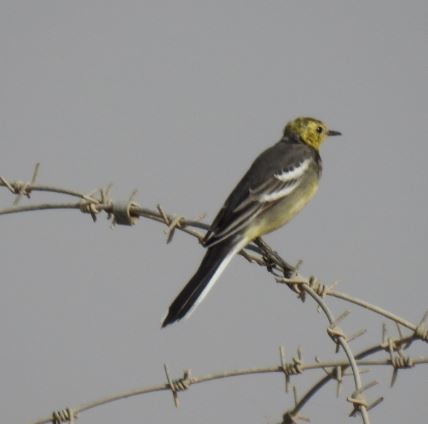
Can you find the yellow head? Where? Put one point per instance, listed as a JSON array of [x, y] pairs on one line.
[[309, 130]]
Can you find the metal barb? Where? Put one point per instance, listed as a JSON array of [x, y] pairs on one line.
[[384, 332], [132, 195], [282, 357], [295, 395], [421, 331], [7, 184], [35, 172], [336, 333], [341, 317], [163, 214], [178, 385], [63, 416], [358, 401], [300, 353], [366, 387], [400, 333], [357, 334], [174, 224], [21, 188], [90, 208], [319, 288], [336, 373], [339, 379], [172, 387], [399, 361], [375, 403]]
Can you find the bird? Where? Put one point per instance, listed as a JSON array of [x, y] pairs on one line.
[[278, 184]]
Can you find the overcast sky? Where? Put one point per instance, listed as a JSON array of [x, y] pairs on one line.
[[175, 99]]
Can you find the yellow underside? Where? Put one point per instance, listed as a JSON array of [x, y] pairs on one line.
[[279, 214]]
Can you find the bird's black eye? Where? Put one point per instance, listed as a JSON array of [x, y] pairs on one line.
[[319, 130]]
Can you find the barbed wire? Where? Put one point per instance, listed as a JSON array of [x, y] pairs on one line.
[[187, 380], [128, 212], [259, 252]]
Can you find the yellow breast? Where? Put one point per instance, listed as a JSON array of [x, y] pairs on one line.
[[281, 212]]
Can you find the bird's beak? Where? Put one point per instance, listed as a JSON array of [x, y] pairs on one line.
[[332, 132]]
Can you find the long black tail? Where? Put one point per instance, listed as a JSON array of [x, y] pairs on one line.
[[213, 264]]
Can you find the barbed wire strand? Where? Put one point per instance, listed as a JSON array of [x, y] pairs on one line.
[[127, 212], [192, 380], [186, 226]]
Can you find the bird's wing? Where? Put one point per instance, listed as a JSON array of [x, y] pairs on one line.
[[275, 174]]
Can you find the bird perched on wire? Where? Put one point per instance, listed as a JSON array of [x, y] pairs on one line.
[[275, 188]]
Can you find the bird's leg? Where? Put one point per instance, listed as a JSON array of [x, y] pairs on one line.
[[272, 258]]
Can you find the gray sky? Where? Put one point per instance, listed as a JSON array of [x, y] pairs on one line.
[[176, 99]]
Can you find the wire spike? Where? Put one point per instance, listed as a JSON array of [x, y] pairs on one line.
[[357, 334]]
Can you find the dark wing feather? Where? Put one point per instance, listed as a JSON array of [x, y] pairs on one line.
[[244, 203]]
